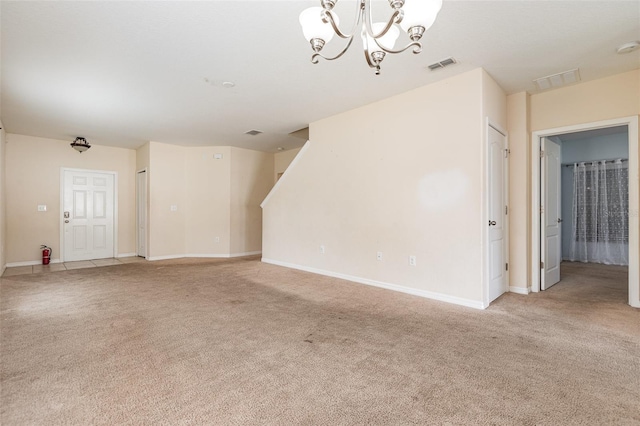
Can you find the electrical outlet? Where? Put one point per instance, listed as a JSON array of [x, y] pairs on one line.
[[217, 239], [174, 208], [42, 207], [321, 249], [412, 260], [379, 255]]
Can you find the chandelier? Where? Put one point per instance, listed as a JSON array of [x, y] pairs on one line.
[[320, 24]]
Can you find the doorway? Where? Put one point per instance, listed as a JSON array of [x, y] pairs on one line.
[[88, 214], [541, 192]]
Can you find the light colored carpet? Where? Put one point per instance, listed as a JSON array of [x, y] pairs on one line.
[[238, 342]]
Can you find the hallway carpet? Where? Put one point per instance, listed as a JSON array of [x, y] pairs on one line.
[[239, 342]]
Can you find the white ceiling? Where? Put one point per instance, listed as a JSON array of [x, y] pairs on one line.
[[123, 73]]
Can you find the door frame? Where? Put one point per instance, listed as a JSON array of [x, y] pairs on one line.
[[634, 219], [146, 215], [115, 206], [485, 210]]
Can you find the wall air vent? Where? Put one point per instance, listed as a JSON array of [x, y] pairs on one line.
[[557, 80], [253, 132], [441, 64]]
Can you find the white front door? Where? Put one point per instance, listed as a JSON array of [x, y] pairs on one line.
[[550, 214], [142, 213], [88, 215], [497, 214]]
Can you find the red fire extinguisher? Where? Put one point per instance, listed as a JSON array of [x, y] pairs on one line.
[[46, 254]]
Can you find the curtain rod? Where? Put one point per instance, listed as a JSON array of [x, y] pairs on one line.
[[597, 161]]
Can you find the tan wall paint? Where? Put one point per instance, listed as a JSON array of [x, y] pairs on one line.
[[3, 200], [519, 190], [142, 157], [612, 97], [281, 161], [410, 187], [33, 177], [251, 181], [208, 201], [167, 187]]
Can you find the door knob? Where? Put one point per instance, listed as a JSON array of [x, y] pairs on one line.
[[492, 223], [559, 220], [66, 221]]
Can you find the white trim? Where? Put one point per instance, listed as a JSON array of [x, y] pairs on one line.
[[146, 215], [126, 255], [634, 197], [2, 269], [115, 206], [485, 211], [285, 174], [408, 290], [519, 290], [30, 263], [205, 256]]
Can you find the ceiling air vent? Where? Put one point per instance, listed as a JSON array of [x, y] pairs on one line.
[[253, 132], [443, 63], [557, 80]]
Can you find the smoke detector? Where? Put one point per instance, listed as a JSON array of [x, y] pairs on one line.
[[628, 47]]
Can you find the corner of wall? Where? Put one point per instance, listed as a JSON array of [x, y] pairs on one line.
[[3, 203]]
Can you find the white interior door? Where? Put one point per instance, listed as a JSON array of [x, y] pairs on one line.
[[142, 213], [88, 215], [551, 214], [497, 214]]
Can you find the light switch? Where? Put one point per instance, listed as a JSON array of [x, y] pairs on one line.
[[217, 156], [42, 207]]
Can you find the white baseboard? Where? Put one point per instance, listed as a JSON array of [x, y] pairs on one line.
[[30, 263], [520, 290], [126, 254], [206, 256], [413, 291]]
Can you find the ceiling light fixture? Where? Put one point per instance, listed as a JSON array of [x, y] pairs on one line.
[[320, 24], [80, 144]]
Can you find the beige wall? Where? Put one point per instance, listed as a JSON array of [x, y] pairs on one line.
[[519, 190], [410, 187], [251, 181], [282, 161], [33, 177], [167, 187], [3, 203], [208, 196], [218, 200], [612, 97], [608, 98]]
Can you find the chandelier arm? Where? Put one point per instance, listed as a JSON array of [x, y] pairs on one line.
[[365, 45], [417, 47], [386, 29], [315, 56], [329, 17]]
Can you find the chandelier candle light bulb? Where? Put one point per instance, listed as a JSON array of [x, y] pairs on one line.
[[320, 24]]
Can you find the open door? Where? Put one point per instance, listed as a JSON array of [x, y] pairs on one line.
[[550, 213], [497, 212]]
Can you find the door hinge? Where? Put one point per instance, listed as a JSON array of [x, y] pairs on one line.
[[506, 266], [541, 209], [541, 154], [506, 210], [541, 265]]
